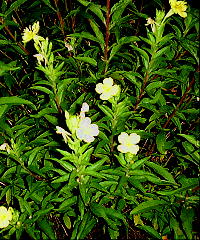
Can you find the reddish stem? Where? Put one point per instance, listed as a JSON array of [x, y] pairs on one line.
[[180, 103]]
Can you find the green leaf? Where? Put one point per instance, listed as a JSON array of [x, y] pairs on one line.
[[148, 206], [64, 178], [106, 110], [87, 60], [96, 9], [85, 35], [43, 89], [145, 56], [160, 142], [190, 185], [187, 217], [139, 163], [98, 33], [95, 166], [162, 171], [3, 110], [118, 8], [151, 231], [47, 2], [67, 221], [14, 6], [15, 101], [191, 139], [46, 227], [86, 225]]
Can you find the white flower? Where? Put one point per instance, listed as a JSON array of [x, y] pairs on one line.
[[128, 143], [86, 131]]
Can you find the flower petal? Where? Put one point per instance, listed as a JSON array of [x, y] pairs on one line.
[[123, 148], [123, 137], [99, 88], [134, 138], [134, 149], [105, 96], [108, 81]]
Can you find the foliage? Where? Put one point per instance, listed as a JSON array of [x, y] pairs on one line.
[[134, 73]]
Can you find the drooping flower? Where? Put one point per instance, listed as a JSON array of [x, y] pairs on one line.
[[178, 7], [40, 58], [63, 132], [86, 131], [107, 89], [31, 32], [151, 22], [5, 216], [128, 143]]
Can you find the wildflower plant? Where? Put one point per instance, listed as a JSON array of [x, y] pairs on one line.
[[99, 119]]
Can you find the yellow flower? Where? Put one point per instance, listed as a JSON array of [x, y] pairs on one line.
[[179, 7], [107, 89], [31, 32], [86, 131], [128, 143], [5, 216]]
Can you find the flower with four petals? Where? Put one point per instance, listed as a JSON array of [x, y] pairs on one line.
[[128, 143]]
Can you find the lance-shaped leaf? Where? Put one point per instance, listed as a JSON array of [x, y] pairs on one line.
[[148, 206]]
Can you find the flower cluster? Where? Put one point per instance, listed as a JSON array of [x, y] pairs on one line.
[[107, 89], [5, 216], [128, 143]]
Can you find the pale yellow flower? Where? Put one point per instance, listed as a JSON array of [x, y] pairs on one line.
[[5, 147], [5, 216], [107, 89], [31, 32], [128, 143], [179, 7], [86, 131], [151, 22]]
